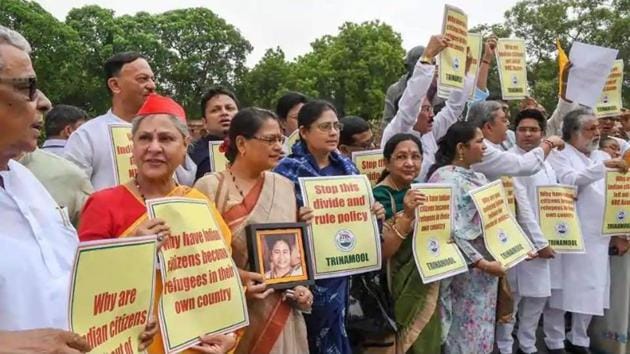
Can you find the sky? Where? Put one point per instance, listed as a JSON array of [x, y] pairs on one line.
[[293, 24]]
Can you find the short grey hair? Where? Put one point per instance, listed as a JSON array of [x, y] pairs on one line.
[[181, 126], [13, 38], [574, 121], [482, 112]]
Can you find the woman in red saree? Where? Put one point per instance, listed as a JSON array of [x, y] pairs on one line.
[[160, 139], [248, 193]]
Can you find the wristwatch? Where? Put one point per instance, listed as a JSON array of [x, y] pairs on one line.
[[425, 60]]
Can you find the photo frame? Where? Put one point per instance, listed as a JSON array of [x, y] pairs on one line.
[[280, 253]]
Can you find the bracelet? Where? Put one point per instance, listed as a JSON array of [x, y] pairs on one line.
[[425, 60], [548, 142], [400, 236], [485, 61]]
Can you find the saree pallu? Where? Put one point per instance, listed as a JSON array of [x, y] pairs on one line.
[[105, 217], [415, 304], [275, 326]]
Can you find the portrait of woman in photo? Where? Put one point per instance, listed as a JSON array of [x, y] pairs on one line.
[[280, 257]]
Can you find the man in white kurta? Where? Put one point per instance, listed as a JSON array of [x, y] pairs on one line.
[[130, 81], [497, 161], [37, 241], [531, 281], [586, 277], [415, 113]]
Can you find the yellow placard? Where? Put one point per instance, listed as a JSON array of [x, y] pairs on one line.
[[475, 43], [202, 292], [121, 147], [558, 219], [344, 236], [436, 256], [452, 67], [512, 67], [291, 140], [508, 186], [370, 163], [111, 294], [617, 207], [609, 103], [218, 161], [503, 237]]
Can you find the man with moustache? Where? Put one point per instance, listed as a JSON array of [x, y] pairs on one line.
[[130, 81], [586, 277], [218, 106], [37, 241]]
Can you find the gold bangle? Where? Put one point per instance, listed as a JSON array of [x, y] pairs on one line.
[[400, 236]]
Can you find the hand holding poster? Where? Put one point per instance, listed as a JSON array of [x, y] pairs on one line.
[[452, 64], [475, 43], [202, 292], [121, 147], [512, 68], [344, 237], [503, 237], [610, 101], [435, 255], [617, 207], [558, 220], [370, 163], [111, 293], [218, 161]]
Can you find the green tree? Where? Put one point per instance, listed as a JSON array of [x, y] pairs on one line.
[[56, 48], [352, 69], [267, 81]]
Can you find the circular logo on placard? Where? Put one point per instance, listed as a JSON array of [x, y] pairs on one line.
[[562, 228], [502, 236], [433, 246], [621, 215], [605, 99], [455, 63], [514, 80], [345, 240]]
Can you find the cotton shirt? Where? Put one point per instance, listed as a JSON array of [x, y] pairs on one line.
[[55, 146], [65, 182], [37, 247], [497, 162], [89, 147], [410, 104]]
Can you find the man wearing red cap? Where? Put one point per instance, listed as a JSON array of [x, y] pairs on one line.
[[102, 146]]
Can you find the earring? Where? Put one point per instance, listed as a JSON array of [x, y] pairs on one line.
[[460, 156]]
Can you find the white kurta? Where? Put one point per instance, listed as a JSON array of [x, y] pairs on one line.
[[410, 104], [586, 277], [497, 162], [537, 277], [89, 147], [37, 246]]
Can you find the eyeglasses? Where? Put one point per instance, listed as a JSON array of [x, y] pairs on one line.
[[532, 130], [426, 109], [404, 157], [365, 146], [27, 85], [328, 126], [271, 139]]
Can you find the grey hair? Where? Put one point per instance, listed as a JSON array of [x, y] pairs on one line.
[[15, 39], [181, 126], [574, 121], [482, 112]]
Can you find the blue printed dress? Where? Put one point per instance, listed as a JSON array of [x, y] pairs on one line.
[[468, 300], [326, 323]]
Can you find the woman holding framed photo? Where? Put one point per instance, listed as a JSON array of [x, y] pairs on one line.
[[248, 193]]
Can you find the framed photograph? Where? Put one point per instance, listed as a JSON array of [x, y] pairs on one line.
[[280, 254]]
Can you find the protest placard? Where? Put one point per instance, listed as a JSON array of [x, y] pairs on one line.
[[436, 256], [121, 149], [512, 68], [111, 292], [557, 218], [617, 205], [344, 236], [202, 292], [370, 163]]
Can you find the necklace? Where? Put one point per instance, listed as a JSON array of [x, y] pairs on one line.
[[135, 180], [144, 199], [240, 191]]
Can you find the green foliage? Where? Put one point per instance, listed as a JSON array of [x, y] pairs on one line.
[[351, 69]]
